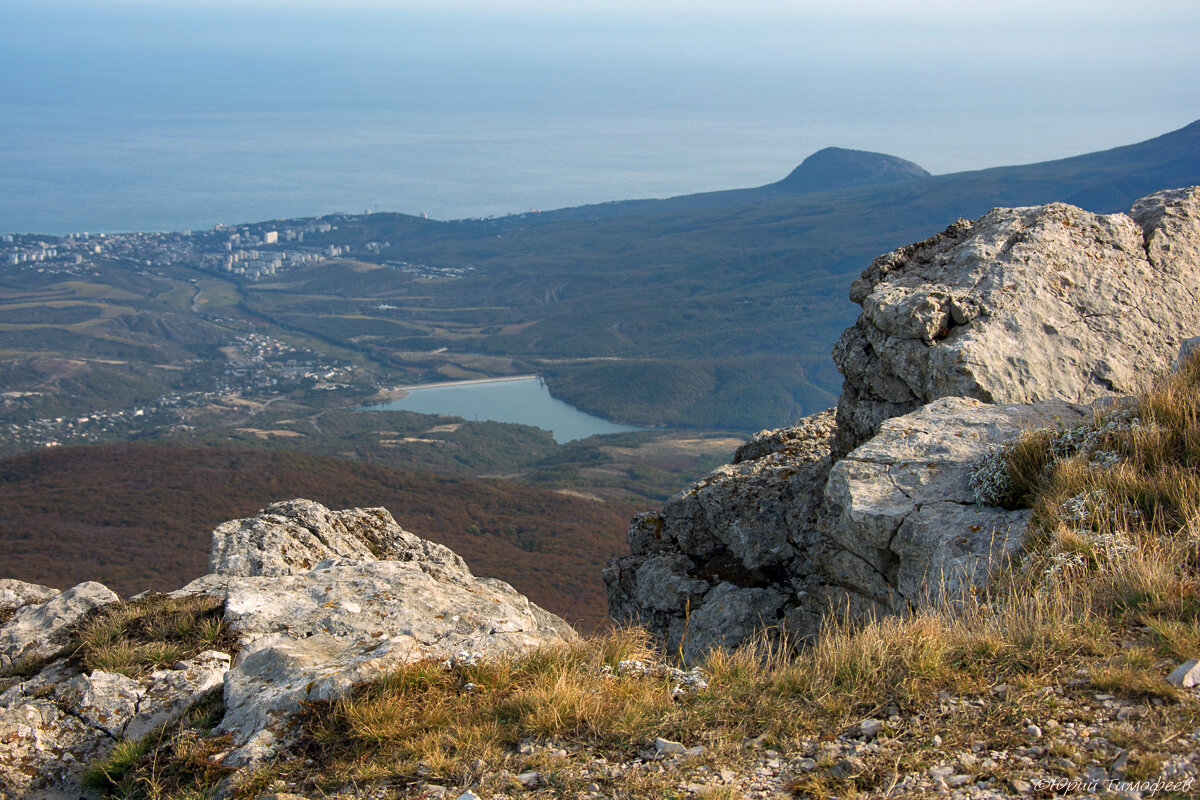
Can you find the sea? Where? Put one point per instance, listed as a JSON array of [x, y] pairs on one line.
[[120, 115]]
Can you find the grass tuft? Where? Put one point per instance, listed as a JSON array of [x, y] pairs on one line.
[[139, 636]]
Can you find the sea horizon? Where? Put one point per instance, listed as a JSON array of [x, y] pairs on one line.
[[127, 116]]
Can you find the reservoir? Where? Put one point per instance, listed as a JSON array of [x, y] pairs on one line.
[[525, 401]]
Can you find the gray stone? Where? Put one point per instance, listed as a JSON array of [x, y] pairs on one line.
[[56, 722], [530, 780], [41, 631], [668, 748], [903, 506], [1186, 674], [15, 594], [316, 635], [45, 750], [870, 728], [1023, 305], [104, 700], [730, 615], [168, 694], [702, 566], [295, 535]]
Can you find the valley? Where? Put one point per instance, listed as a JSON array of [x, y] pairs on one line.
[[701, 318]]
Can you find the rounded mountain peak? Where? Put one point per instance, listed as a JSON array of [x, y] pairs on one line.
[[837, 167]]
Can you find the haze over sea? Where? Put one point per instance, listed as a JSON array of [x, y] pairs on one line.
[[160, 116]]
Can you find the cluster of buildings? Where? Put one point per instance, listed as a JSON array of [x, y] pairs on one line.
[[96, 426], [252, 252], [255, 364], [257, 361]]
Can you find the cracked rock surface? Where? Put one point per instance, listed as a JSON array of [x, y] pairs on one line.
[[54, 723], [903, 507], [1022, 305], [319, 601]]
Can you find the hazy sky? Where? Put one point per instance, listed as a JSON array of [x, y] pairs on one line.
[[755, 84]]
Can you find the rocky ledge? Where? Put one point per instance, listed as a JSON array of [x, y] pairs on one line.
[[316, 601], [1020, 319]]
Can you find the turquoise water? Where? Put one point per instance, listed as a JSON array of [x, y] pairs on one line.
[[525, 401]]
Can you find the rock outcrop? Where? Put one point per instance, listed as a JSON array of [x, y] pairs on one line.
[[1022, 305], [1019, 319], [318, 600]]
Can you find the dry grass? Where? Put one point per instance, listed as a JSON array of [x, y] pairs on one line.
[[173, 764], [427, 718], [139, 636], [1105, 602]]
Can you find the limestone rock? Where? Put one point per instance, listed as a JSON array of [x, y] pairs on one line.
[[45, 750], [56, 722], [295, 535], [373, 600], [902, 507], [1022, 305], [715, 551], [320, 600], [15, 594], [166, 695], [104, 700], [38, 632], [313, 636]]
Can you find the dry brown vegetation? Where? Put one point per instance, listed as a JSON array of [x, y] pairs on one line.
[[139, 516]]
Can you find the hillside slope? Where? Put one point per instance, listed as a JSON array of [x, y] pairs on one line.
[[139, 517]]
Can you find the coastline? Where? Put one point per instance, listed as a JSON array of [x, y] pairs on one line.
[[407, 389], [384, 396]]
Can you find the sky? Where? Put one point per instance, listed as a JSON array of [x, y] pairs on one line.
[[660, 96]]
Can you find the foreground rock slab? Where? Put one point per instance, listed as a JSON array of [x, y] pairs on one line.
[[320, 601], [324, 600]]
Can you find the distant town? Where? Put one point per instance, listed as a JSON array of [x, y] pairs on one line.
[[256, 366], [253, 252]]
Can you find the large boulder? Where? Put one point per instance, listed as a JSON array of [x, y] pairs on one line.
[[324, 600], [1022, 305], [1018, 319], [787, 537]]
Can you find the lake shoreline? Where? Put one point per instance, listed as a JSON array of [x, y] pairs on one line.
[[505, 399]]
